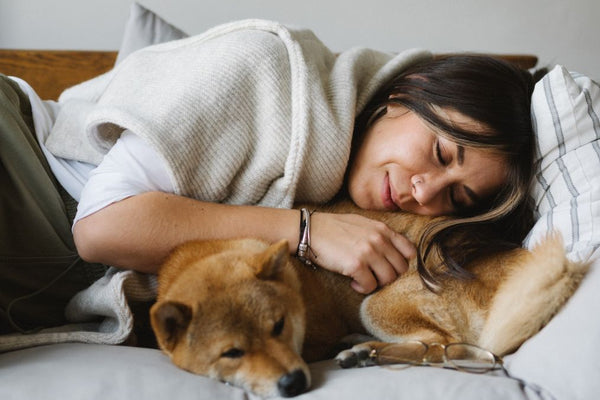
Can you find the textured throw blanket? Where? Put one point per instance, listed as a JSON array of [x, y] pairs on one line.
[[247, 113], [250, 112]]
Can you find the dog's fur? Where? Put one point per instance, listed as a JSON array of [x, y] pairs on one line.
[[244, 312]]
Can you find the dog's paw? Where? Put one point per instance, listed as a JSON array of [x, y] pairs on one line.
[[357, 356]]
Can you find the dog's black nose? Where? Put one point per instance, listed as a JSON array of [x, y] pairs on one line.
[[292, 384]]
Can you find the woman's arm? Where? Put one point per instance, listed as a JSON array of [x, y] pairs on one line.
[[140, 231]]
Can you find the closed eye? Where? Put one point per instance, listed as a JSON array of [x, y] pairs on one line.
[[233, 353], [438, 153], [278, 327], [451, 191], [456, 206], [462, 202]]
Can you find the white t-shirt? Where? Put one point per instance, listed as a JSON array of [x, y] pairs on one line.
[[131, 166], [72, 175]]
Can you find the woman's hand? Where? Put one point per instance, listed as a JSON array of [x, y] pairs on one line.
[[366, 250]]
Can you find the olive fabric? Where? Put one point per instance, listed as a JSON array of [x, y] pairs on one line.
[[39, 266]]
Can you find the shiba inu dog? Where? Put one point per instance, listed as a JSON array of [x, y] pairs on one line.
[[245, 312]]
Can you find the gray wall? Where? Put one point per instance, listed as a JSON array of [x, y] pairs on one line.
[[558, 31]]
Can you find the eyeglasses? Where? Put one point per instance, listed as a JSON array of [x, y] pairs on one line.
[[460, 356]]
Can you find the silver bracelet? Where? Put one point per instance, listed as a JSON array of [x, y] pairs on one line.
[[304, 242]]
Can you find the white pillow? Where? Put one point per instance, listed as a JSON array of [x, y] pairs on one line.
[[566, 118], [145, 28], [562, 358]]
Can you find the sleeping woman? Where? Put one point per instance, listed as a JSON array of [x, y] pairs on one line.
[[217, 136]]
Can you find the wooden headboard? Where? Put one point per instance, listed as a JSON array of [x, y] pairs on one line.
[[49, 72]]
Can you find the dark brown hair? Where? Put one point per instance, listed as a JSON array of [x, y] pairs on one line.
[[497, 95]]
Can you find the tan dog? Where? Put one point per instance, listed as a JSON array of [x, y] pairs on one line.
[[244, 312]]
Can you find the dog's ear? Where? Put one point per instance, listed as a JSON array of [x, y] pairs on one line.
[[270, 262], [169, 320]]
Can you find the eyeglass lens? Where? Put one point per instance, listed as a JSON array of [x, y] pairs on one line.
[[410, 353], [470, 358], [461, 356]]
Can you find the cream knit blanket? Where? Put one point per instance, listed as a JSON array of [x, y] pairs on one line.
[[250, 112]]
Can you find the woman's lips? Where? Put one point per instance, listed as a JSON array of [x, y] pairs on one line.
[[386, 195]]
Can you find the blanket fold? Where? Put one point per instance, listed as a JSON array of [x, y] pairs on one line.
[[99, 314]]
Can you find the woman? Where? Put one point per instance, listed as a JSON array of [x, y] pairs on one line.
[[476, 110], [445, 137]]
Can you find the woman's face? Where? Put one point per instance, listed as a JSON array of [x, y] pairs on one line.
[[403, 165]]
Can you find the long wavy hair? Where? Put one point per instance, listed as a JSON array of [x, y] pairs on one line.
[[497, 94]]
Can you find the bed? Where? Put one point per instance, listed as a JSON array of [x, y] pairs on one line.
[[560, 362]]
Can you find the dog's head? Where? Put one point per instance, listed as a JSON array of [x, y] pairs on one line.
[[231, 310]]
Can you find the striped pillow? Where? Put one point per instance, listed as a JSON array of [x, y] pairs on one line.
[[566, 118]]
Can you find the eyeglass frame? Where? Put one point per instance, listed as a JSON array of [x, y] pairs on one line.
[[496, 361]]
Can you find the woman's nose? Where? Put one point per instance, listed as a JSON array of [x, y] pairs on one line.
[[426, 189]]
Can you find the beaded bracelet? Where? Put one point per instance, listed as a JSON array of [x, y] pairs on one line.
[[304, 243]]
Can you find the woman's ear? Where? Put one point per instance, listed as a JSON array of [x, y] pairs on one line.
[[394, 109]]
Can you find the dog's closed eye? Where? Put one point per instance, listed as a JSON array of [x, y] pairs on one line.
[[278, 327], [233, 353]]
